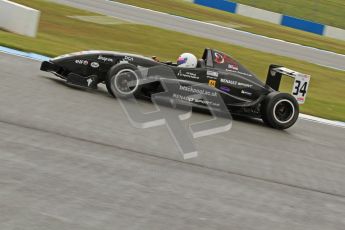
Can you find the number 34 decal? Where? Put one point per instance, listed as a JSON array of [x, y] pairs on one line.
[[300, 88]]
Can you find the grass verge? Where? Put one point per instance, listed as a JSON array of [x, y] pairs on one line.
[[59, 33], [190, 10]]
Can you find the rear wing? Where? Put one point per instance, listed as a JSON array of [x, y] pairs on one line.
[[300, 86]]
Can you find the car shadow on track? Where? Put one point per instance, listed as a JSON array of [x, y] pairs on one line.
[[102, 91], [75, 87]]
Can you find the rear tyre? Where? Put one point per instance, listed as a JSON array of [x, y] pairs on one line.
[[122, 81], [279, 110]]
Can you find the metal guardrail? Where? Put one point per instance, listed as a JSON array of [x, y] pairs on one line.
[[276, 18]]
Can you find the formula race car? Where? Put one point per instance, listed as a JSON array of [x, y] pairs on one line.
[[216, 80]]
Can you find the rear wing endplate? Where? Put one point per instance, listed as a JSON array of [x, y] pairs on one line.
[[301, 81]]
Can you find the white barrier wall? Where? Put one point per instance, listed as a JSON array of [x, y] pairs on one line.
[[334, 32], [260, 14], [18, 18], [280, 19]]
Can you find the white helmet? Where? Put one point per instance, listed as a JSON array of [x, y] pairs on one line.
[[187, 60]]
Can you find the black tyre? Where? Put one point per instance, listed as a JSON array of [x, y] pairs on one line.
[[123, 81], [279, 110]]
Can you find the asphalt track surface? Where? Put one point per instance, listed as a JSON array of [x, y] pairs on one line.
[[201, 29], [69, 159]]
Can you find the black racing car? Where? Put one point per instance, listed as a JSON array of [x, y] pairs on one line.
[[216, 74]]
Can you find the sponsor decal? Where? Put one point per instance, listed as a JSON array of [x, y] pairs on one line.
[[219, 58], [244, 85], [227, 81], [233, 67], [190, 89], [123, 61], [181, 60], [89, 81], [232, 82], [128, 58], [212, 83], [194, 100], [81, 62], [105, 59], [225, 89], [222, 58], [210, 77], [212, 73], [300, 99], [239, 72], [94, 64], [232, 63], [246, 93], [187, 75]]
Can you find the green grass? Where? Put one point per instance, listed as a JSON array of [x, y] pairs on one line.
[[190, 10], [59, 34], [328, 12]]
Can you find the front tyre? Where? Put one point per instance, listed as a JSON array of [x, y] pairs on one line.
[[279, 110], [123, 80]]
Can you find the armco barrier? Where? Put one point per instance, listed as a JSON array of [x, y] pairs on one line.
[[273, 17], [18, 19]]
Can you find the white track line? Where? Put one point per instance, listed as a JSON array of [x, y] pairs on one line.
[[306, 117]]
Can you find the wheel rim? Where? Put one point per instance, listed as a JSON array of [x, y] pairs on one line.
[[284, 111], [126, 81]]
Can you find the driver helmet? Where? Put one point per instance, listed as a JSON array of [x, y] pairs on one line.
[[187, 60]]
